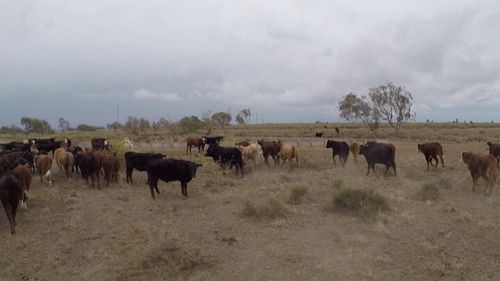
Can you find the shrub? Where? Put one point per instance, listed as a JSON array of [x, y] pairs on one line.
[[272, 209], [338, 184], [296, 194], [428, 191], [365, 203]]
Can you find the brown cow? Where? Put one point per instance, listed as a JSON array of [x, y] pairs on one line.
[[196, 142], [59, 155], [67, 162], [431, 150], [354, 147], [43, 165], [270, 148], [494, 149], [110, 165], [481, 166], [23, 173]]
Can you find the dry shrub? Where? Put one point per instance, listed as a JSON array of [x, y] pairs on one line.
[[296, 194], [338, 184], [173, 257], [427, 191], [272, 209], [445, 183], [365, 203]]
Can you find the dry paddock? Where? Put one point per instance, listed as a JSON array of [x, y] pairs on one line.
[[73, 232]]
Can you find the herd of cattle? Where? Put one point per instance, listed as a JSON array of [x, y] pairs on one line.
[[19, 160]]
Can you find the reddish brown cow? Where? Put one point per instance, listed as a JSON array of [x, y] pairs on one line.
[[110, 165], [481, 166], [354, 147], [270, 148], [196, 142], [432, 150], [43, 165], [494, 149], [23, 173]]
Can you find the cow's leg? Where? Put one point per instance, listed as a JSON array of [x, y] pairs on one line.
[[241, 168], [129, 174], [92, 178], [333, 158], [427, 160], [153, 184], [393, 164], [442, 161], [474, 179], [98, 181], [368, 172], [435, 159], [8, 212], [184, 189]]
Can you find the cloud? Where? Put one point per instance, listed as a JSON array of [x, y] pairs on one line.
[[292, 60], [145, 94]]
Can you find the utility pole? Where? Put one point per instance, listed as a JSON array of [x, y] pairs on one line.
[[118, 116]]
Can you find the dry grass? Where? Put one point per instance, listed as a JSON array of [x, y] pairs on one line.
[[271, 209], [297, 192], [428, 191]]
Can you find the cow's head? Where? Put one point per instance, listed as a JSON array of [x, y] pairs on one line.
[[466, 156], [363, 149], [330, 143], [419, 147]]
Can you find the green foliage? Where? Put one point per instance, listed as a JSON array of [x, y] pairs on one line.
[[135, 124], [365, 203], [35, 125], [13, 129], [357, 109], [190, 124], [85, 127], [393, 103], [222, 119], [428, 191]]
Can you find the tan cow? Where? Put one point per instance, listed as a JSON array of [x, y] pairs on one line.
[[287, 152], [251, 152]]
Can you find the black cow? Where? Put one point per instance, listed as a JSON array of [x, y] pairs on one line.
[[139, 161], [16, 146], [18, 157], [383, 154], [77, 153], [89, 166], [99, 143], [224, 155], [319, 135], [339, 148], [51, 146], [212, 140], [171, 170], [10, 195]]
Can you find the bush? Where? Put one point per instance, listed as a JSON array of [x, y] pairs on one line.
[[272, 209], [428, 191], [296, 194], [365, 203], [338, 184]]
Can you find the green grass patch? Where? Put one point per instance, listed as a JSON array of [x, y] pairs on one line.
[[364, 203]]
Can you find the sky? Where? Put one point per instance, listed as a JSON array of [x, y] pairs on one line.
[[288, 61]]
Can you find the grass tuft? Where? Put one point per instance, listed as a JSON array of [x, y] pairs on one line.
[[365, 203], [428, 191], [296, 194], [272, 209]]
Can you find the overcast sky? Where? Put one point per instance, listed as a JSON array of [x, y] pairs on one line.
[[288, 61]]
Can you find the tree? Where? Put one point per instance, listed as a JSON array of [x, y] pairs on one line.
[[63, 124], [393, 104], [190, 124], [222, 119], [86, 127], [34, 125], [114, 126], [208, 122], [243, 117], [357, 109]]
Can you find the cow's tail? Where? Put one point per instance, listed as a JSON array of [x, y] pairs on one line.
[[48, 177], [492, 173], [440, 151]]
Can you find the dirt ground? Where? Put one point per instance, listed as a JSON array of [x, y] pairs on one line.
[[74, 232]]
